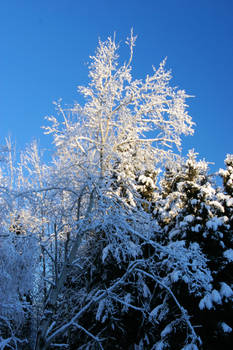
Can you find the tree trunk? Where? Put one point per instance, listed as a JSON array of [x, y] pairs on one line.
[[50, 305]]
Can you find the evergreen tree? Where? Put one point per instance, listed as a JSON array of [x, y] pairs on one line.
[[199, 220]]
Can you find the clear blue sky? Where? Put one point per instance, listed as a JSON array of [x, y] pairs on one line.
[[45, 46]]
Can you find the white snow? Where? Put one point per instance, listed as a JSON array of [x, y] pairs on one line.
[[206, 302], [216, 297], [190, 347], [225, 290], [230, 202], [226, 328], [196, 228], [147, 181], [166, 331], [175, 275], [173, 233], [189, 218], [154, 313], [100, 309], [146, 291], [214, 223], [228, 254], [105, 252], [159, 345]]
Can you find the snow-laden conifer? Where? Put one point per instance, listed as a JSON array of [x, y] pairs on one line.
[[193, 212]]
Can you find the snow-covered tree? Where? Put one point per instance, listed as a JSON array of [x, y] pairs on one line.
[[226, 196], [103, 180], [123, 120], [17, 261], [193, 215]]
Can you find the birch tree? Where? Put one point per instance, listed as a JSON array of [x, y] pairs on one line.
[[122, 117]]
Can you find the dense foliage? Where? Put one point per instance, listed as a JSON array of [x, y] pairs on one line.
[[118, 243]]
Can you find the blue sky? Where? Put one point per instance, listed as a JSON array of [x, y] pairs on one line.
[[45, 48]]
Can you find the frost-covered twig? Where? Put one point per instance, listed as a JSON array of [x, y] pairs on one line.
[[180, 307], [95, 338], [95, 299]]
